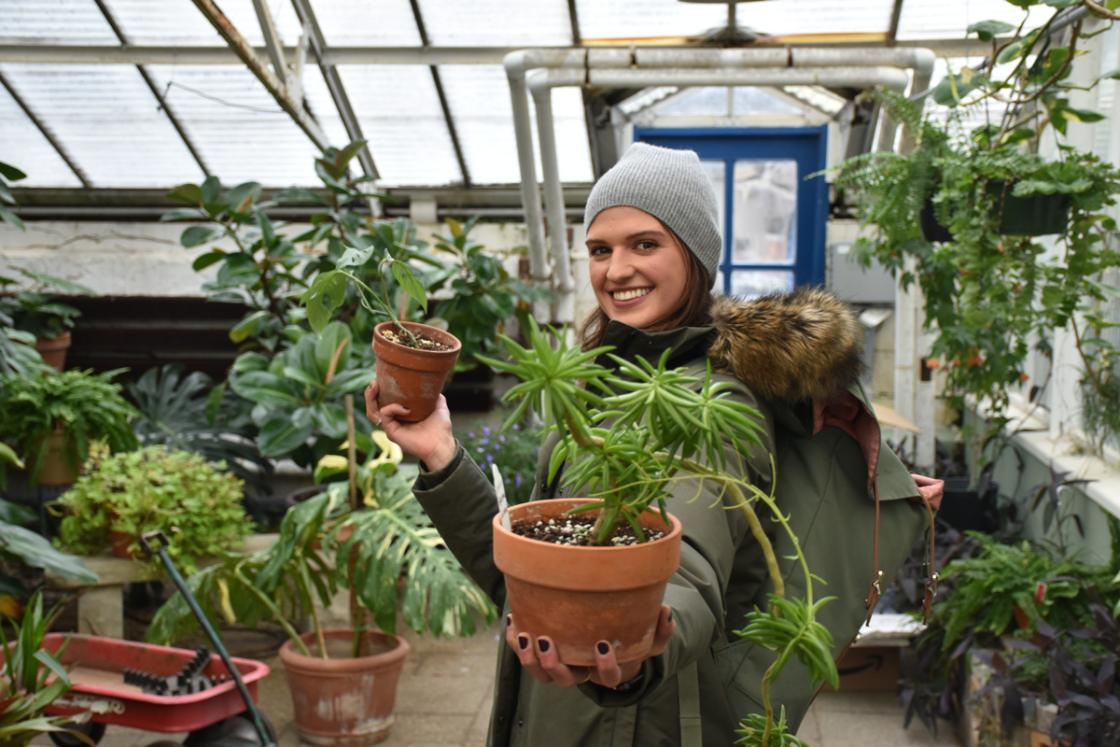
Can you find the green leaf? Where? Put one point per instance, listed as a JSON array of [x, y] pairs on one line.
[[987, 30], [198, 235], [324, 297], [210, 190], [1059, 4], [281, 435], [241, 197], [247, 326], [37, 552], [354, 256], [264, 387], [10, 172], [7, 216], [409, 283], [334, 336], [203, 261], [190, 194], [1082, 115], [1014, 50], [267, 231], [347, 154]]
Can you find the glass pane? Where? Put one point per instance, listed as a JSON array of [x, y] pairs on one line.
[[398, 109], [496, 22], [765, 214], [60, 21], [631, 19], [108, 121], [949, 19], [355, 23], [24, 147], [751, 283], [817, 17], [239, 129], [180, 22], [717, 173]]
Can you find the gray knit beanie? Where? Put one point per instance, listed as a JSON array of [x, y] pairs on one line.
[[671, 186]]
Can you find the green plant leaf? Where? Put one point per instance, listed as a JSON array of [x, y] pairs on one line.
[[326, 294], [203, 261], [281, 435], [191, 194], [7, 216], [247, 326], [37, 552], [197, 235], [987, 30], [355, 256], [404, 276], [10, 172]]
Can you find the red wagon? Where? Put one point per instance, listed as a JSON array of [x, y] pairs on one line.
[[96, 666]]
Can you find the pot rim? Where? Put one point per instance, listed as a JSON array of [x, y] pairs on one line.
[[440, 334], [675, 528], [291, 657]]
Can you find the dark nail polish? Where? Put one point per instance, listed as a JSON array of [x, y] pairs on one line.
[[603, 648], [523, 642], [543, 645]]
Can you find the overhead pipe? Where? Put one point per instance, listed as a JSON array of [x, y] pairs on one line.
[[540, 70]]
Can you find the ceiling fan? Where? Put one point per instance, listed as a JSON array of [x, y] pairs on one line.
[[734, 35]]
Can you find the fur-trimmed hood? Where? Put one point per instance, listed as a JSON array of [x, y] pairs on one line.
[[795, 346]]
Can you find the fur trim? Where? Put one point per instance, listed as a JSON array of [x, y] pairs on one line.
[[795, 346]]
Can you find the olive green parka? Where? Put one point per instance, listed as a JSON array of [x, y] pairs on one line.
[[789, 356]]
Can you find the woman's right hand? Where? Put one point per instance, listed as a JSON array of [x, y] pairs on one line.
[[431, 440]]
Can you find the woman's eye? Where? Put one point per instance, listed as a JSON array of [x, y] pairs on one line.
[[647, 244], [597, 251]]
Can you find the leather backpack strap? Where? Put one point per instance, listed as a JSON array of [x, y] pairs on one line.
[[688, 695], [876, 589]]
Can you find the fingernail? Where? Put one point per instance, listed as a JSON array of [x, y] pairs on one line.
[[523, 642], [509, 620], [603, 648], [543, 645], [669, 616]]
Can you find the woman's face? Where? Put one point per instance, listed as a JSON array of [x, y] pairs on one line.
[[638, 267]]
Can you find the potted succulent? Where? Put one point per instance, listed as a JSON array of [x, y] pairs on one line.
[[32, 309], [50, 420], [586, 569], [364, 533], [413, 360], [990, 288], [119, 497]]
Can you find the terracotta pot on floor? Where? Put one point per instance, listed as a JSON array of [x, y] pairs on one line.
[[53, 350], [412, 377], [578, 596], [344, 701]]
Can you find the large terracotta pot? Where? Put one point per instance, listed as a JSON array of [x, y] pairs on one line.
[[56, 469], [342, 700], [579, 596], [53, 349], [411, 377]]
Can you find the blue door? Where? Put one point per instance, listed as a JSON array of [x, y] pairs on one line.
[[773, 216]]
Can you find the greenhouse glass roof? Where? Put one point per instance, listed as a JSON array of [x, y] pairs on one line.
[[139, 94]]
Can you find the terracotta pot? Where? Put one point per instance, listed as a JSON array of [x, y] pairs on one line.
[[53, 349], [342, 700], [56, 469], [413, 378], [119, 543], [579, 596]]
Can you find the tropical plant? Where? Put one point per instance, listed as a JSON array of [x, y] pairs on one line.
[[325, 544], [187, 412], [80, 405], [32, 678], [31, 304], [20, 546], [298, 394], [483, 295], [989, 291], [196, 504], [625, 434]]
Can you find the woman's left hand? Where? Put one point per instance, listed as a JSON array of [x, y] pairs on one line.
[[539, 658]]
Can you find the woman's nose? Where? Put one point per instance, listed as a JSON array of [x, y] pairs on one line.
[[620, 266]]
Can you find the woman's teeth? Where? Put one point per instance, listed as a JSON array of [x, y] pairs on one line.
[[628, 295]]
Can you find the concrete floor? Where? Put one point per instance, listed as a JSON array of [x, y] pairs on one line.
[[444, 701]]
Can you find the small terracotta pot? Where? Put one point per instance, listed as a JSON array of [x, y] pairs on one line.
[[411, 377], [578, 596], [119, 543], [53, 349], [344, 700], [56, 469]]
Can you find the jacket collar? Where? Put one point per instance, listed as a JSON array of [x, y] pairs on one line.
[[686, 343]]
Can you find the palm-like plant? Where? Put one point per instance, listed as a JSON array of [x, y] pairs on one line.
[[628, 433]]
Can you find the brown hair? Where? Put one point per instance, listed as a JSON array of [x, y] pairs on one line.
[[694, 311]]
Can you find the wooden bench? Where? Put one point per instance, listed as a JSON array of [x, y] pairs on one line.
[[101, 605]]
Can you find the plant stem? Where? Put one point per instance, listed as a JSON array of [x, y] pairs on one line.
[[317, 624], [264, 599]]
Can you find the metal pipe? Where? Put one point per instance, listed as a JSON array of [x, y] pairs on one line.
[[665, 66]]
